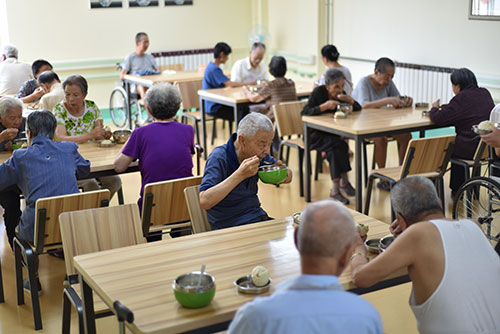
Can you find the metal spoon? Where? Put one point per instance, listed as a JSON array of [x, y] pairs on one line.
[[202, 271]]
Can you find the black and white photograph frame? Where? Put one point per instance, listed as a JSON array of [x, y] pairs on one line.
[[96, 4], [178, 2], [142, 3]]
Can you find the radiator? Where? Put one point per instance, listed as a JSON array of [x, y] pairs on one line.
[[424, 83], [190, 58]]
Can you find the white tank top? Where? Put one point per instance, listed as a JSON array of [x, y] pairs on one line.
[[467, 300]]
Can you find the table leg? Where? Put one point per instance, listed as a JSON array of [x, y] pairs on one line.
[[88, 307], [236, 120], [359, 170], [203, 128], [307, 162], [129, 109]]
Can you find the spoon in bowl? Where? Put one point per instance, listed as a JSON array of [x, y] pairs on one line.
[[202, 271]]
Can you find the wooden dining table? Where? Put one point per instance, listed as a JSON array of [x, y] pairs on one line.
[[141, 276], [365, 124], [236, 98]]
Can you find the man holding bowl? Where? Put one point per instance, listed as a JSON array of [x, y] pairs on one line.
[[229, 187]]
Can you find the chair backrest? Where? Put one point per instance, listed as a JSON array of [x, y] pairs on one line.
[[163, 204], [48, 209], [189, 93], [427, 155], [198, 216], [288, 119], [96, 230], [172, 67]]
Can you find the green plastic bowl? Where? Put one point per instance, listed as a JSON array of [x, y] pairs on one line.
[[187, 294], [273, 174], [18, 143]]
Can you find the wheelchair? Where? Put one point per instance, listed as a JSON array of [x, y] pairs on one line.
[[118, 102], [478, 199]]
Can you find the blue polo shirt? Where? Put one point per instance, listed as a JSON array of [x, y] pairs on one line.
[[213, 78], [241, 206]]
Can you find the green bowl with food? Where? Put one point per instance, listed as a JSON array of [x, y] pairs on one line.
[[18, 143], [189, 293], [273, 174]]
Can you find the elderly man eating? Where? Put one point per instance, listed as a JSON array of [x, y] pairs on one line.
[[229, 187], [453, 268], [13, 73], [314, 302], [251, 68]]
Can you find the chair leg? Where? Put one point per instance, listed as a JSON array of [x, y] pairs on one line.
[[66, 314], [214, 130], [19, 272], [288, 153], [120, 196], [197, 132], [365, 163], [32, 277], [280, 153], [230, 128], [2, 298], [373, 159], [301, 171], [368, 194], [319, 165]]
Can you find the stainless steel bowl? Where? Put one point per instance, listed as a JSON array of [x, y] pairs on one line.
[[346, 108], [245, 285], [373, 245], [121, 136], [189, 282], [385, 242]]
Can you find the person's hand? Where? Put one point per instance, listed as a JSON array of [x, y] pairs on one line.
[[8, 134], [39, 92], [395, 102], [345, 98], [98, 133], [330, 105], [289, 173], [248, 167], [435, 104], [107, 134], [395, 228], [364, 237], [360, 242], [8, 146], [409, 103], [492, 138]]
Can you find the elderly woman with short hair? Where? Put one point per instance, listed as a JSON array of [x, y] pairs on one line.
[[325, 99], [165, 147], [79, 120]]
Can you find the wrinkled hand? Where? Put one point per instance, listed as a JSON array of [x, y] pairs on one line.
[[360, 242], [395, 228], [436, 103], [331, 104], [39, 92], [410, 102], [9, 134], [395, 101], [107, 134], [364, 237], [288, 176], [345, 98], [493, 138], [249, 167], [99, 133]]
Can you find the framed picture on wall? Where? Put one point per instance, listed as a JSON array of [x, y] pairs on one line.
[[484, 10], [142, 3], [105, 4], [178, 2]]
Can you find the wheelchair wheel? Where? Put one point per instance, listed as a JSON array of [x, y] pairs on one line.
[[118, 107], [140, 115], [478, 199]]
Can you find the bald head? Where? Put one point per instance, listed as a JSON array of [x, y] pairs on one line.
[[326, 229]]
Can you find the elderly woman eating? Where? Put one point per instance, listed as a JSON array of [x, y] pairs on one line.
[[12, 125], [79, 120], [323, 99]]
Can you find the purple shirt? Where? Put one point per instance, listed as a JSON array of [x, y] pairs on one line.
[[164, 151]]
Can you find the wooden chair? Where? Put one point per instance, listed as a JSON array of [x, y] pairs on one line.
[[90, 231], [198, 216], [164, 207], [473, 167], [289, 124], [48, 236], [427, 157], [172, 67], [123, 314]]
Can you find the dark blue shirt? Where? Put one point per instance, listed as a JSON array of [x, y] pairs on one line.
[[241, 205], [43, 169], [213, 78]]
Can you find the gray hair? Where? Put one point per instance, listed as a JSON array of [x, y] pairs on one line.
[[10, 51], [333, 75], [76, 80], [252, 123], [7, 103], [163, 101], [42, 123], [139, 35], [413, 197], [326, 229], [258, 45]]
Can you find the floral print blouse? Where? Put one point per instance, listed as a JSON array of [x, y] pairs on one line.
[[77, 125]]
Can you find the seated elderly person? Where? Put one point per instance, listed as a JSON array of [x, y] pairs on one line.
[[470, 106], [79, 120], [140, 62], [164, 148], [228, 190], [12, 126], [315, 301], [251, 68], [45, 168], [377, 91], [323, 99], [31, 91], [453, 267], [276, 91], [13, 73], [54, 93]]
